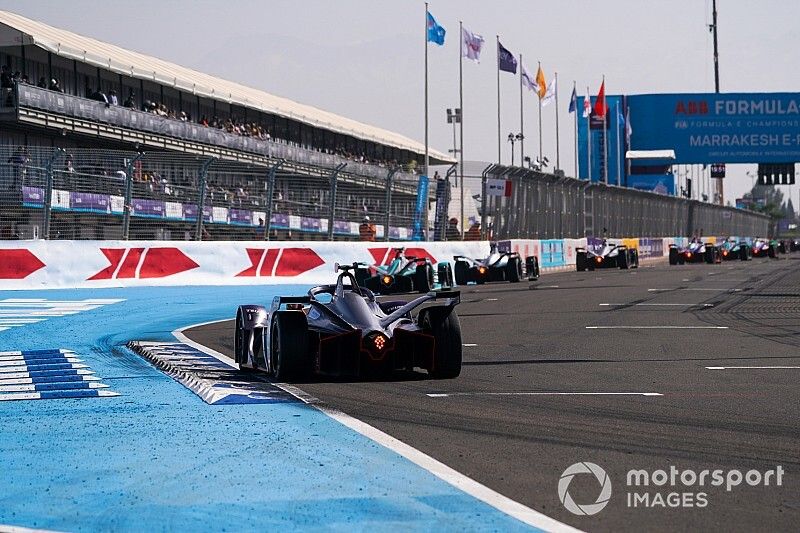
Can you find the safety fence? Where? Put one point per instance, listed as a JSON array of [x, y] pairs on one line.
[[79, 193], [522, 203]]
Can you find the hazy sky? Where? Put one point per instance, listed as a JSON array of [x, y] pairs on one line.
[[364, 58]]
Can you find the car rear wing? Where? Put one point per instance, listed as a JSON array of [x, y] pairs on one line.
[[280, 301], [444, 298]]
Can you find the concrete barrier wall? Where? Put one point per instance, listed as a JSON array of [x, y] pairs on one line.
[[74, 264]]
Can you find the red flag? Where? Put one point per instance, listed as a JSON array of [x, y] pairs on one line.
[[600, 106]]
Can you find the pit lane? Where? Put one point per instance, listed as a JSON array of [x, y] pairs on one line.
[[555, 375]]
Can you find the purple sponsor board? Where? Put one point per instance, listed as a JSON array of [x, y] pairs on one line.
[[394, 233], [89, 201], [33, 195], [241, 216], [279, 220], [594, 244], [189, 212], [310, 224], [340, 226], [651, 247], [154, 208]]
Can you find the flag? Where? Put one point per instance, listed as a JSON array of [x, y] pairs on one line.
[[628, 127], [600, 106], [550, 94], [620, 118], [435, 32], [506, 60], [472, 44], [587, 105], [527, 81], [573, 101], [541, 83]]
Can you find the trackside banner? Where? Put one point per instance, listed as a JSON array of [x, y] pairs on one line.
[[86, 264]]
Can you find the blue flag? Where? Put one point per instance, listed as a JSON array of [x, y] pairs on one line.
[[506, 60], [573, 101], [435, 32]]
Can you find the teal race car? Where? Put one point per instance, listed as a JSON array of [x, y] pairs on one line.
[[734, 249], [404, 274]]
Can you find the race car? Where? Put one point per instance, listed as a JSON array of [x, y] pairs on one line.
[[404, 274], [794, 245], [696, 252], [607, 256], [734, 249], [498, 266], [341, 329], [764, 248]]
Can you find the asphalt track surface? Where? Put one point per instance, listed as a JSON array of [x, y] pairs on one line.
[[651, 330]]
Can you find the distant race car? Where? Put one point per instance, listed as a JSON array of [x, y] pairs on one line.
[[608, 256], [794, 245], [341, 329], [404, 274], [498, 266], [697, 251], [764, 248], [734, 249]]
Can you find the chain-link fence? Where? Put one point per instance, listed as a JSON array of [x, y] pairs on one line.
[[106, 194], [543, 206]]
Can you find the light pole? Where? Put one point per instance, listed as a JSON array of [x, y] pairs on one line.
[[454, 117], [512, 138]]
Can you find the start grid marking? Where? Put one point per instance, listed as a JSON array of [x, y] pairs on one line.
[[18, 312], [48, 375]]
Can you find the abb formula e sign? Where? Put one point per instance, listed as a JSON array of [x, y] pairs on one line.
[[76, 264]]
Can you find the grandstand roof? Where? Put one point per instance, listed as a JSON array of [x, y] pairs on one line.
[[108, 56]]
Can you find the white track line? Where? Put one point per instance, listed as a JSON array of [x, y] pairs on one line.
[[751, 367], [445, 473], [658, 305], [721, 289], [656, 327], [469, 344], [449, 394]]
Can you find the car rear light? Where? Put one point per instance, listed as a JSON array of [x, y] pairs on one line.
[[482, 269], [599, 259], [386, 280], [725, 252], [688, 254]]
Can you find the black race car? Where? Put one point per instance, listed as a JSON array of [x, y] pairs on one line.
[[764, 248], [607, 256], [404, 274], [696, 252], [341, 329], [734, 249], [498, 266]]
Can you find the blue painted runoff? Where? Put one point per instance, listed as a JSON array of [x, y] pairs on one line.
[[157, 458]]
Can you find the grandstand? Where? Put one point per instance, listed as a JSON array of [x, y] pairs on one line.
[[77, 114]]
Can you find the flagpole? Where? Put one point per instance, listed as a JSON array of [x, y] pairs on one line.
[[521, 119], [427, 156], [461, 124], [498, 99], [589, 136], [558, 155], [575, 92], [605, 132], [619, 160], [540, 119]]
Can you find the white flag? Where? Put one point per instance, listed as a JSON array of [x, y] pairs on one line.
[[551, 92], [471, 45], [587, 105], [528, 82]]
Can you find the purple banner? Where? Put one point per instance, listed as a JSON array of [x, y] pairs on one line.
[[153, 208], [33, 195], [340, 226], [279, 220], [651, 247], [90, 201], [310, 224], [240, 216]]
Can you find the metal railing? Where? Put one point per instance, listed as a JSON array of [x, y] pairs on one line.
[[544, 206], [54, 193]]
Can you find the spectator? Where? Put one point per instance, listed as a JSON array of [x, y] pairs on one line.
[[55, 86], [452, 233], [6, 81], [129, 102], [367, 230], [112, 97], [474, 233], [100, 96], [42, 83]]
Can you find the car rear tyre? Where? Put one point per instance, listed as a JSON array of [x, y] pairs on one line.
[[622, 259], [580, 261], [423, 278], [445, 273], [743, 255], [289, 345], [514, 269], [673, 256], [462, 273], [443, 325]]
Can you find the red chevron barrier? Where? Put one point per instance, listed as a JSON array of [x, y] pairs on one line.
[[143, 263], [280, 262], [18, 263]]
